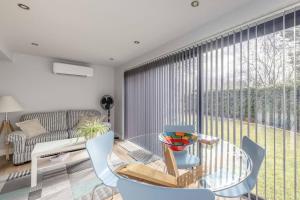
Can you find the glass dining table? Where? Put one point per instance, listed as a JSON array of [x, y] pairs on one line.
[[224, 164]]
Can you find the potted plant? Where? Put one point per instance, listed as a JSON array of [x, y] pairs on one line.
[[90, 129]]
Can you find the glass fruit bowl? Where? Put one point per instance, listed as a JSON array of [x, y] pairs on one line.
[[178, 141]]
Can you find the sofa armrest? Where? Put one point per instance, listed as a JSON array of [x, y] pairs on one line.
[[18, 139]]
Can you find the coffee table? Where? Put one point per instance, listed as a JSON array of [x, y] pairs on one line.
[[40, 156]]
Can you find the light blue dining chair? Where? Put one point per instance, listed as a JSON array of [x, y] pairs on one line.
[[133, 190], [257, 155], [183, 159], [99, 148]]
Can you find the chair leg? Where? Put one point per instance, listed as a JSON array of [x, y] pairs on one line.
[[94, 189], [112, 193]]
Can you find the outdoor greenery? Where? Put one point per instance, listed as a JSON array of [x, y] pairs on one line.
[[270, 138], [258, 95], [268, 110]]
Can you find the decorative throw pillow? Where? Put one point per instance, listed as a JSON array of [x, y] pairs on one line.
[[31, 127]]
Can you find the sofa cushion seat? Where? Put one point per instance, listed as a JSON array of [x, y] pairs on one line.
[[73, 133], [47, 137]]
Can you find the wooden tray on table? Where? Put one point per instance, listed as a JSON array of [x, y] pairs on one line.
[[148, 174], [172, 178]]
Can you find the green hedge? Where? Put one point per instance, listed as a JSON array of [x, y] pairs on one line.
[[266, 104]]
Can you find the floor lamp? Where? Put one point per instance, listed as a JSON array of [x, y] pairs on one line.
[[8, 104]]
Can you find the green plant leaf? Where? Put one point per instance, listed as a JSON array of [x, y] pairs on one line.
[[91, 129]]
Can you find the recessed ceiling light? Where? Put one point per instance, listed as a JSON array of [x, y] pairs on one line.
[[111, 59], [34, 44], [195, 3], [136, 42], [23, 6]]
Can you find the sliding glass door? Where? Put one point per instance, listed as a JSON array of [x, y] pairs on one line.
[[242, 83], [251, 87]]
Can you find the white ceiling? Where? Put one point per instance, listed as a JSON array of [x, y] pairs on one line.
[[93, 31]]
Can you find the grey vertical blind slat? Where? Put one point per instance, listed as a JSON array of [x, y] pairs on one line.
[[295, 109], [284, 113]]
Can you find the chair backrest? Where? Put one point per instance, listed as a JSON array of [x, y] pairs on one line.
[[133, 190], [179, 128], [99, 148], [257, 155]]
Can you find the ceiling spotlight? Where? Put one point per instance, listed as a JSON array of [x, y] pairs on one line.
[[136, 42], [111, 59], [195, 3], [23, 6], [34, 44]]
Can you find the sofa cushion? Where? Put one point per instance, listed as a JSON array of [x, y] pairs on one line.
[[51, 121], [73, 133], [31, 127], [47, 137], [75, 115]]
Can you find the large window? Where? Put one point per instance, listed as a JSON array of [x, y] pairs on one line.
[[245, 82], [251, 86]]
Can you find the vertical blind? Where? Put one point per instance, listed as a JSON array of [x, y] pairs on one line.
[[162, 92], [251, 86], [244, 82]]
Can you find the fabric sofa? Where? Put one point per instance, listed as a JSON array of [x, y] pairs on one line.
[[59, 124]]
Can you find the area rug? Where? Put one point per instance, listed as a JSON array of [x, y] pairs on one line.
[[143, 156], [129, 146], [138, 153], [74, 181]]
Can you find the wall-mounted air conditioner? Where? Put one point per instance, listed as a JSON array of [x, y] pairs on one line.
[[75, 70]]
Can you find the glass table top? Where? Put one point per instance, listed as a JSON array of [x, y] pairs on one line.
[[224, 164]]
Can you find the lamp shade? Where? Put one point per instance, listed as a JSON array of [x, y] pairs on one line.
[[9, 104]]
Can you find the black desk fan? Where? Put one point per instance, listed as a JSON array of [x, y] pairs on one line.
[[107, 103]]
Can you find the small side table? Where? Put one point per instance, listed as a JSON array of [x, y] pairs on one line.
[[6, 128]]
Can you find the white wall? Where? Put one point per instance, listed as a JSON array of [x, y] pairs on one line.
[[31, 81], [242, 15], [5, 54]]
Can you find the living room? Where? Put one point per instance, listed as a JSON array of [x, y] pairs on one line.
[[123, 75]]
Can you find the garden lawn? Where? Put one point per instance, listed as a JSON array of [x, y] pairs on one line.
[[271, 177]]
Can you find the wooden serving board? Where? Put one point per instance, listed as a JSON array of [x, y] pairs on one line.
[[190, 177], [148, 174]]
